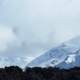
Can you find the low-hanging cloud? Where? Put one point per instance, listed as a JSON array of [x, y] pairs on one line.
[[7, 38]]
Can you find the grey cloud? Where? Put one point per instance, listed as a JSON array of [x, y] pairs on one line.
[[41, 24]]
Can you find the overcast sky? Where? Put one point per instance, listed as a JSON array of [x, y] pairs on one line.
[[34, 26]]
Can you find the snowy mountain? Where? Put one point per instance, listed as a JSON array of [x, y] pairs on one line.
[[66, 53], [14, 61]]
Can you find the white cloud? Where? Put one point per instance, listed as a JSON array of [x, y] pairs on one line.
[[41, 23], [7, 37]]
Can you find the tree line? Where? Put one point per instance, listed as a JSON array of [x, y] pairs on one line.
[[38, 73]]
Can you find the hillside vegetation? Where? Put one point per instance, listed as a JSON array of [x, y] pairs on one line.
[[37, 73]]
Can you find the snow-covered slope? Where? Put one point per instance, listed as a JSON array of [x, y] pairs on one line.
[[58, 54]]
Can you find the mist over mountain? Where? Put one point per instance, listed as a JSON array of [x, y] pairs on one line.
[[14, 61], [32, 28]]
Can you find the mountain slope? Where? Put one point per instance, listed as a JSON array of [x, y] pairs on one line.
[[58, 54], [75, 62]]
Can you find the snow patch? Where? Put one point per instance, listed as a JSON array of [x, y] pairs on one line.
[[71, 59]]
